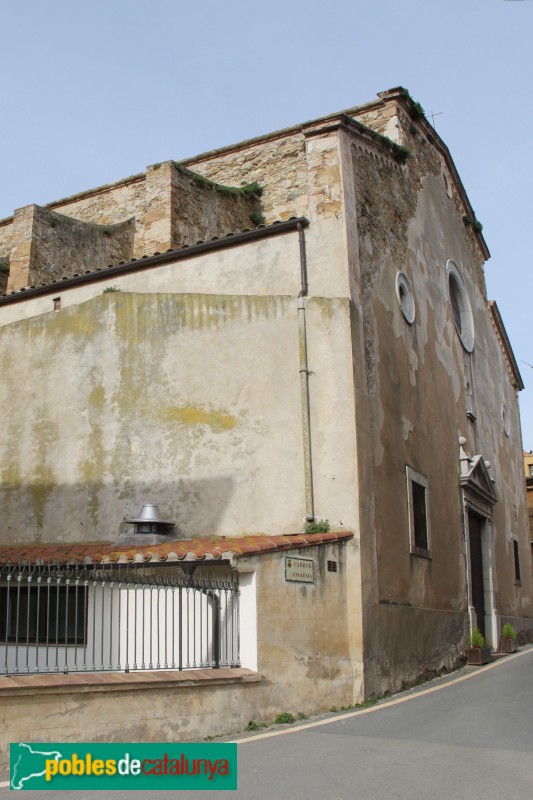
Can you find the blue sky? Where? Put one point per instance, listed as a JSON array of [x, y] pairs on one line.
[[94, 92]]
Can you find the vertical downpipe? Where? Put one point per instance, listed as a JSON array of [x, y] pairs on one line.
[[304, 383]]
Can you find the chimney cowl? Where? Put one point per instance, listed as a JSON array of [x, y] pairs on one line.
[[149, 513], [149, 521]]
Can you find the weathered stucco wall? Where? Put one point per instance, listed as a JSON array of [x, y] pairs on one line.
[[189, 401], [410, 643], [267, 266], [302, 633], [202, 389], [413, 389], [303, 657], [161, 398]]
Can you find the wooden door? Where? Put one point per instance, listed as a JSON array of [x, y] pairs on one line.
[[475, 526]]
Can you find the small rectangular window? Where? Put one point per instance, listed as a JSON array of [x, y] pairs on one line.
[[418, 504], [516, 553]]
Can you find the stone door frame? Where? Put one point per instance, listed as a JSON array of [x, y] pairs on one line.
[[479, 495]]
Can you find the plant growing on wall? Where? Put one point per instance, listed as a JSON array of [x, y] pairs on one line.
[[415, 109], [248, 190], [475, 223], [110, 289], [317, 526], [257, 218], [285, 718]]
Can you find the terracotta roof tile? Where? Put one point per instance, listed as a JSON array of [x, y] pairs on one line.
[[201, 549]]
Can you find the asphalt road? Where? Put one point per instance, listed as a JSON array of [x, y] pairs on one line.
[[467, 738]]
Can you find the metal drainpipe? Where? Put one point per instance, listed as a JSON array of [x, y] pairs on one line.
[[304, 383]]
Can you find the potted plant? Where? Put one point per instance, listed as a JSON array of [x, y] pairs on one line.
[[477, 654], [509, 643]]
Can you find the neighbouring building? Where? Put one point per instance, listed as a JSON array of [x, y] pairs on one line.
[[291, 329], [528, 465]]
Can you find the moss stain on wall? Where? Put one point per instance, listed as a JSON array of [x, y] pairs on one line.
[[41, 484], [113, 360], [328, 306], [92, 469], [11, 484], [190, 415]]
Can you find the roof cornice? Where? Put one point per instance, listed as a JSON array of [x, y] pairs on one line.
[[506, 345]]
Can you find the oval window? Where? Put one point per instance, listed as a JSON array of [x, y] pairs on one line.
[[505, 420], [460, 305], [406, 301]]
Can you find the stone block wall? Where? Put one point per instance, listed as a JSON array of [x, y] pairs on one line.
[[22, 253], [201, 209], [47, 245], [277, 164], [324, 176], [6, 228], [176, 207], [171, 207], [104, 205], [382, 118]]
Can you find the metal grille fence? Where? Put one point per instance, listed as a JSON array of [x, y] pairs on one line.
[[78, 618]]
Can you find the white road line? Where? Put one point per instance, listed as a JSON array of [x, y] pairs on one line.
[[380, 706]]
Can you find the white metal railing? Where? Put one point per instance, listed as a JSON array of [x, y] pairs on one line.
[[76, 618]]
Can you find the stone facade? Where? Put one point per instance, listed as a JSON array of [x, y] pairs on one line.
[[307, 368], [167, 207], [46, 245], [528, 465]]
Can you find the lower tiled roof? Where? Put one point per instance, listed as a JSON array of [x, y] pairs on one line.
[[203, 549]]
